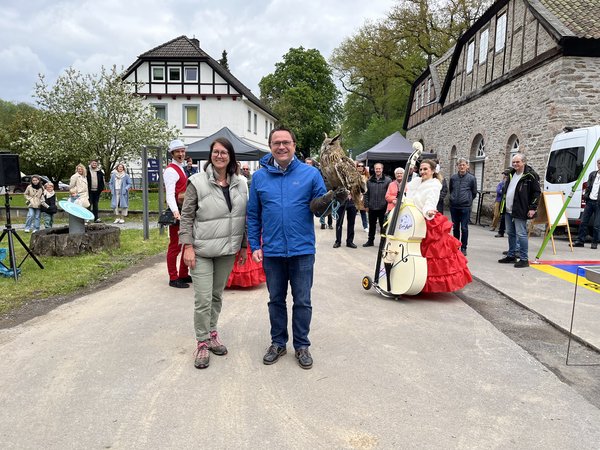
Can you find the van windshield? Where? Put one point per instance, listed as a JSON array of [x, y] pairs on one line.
[[564, 165]]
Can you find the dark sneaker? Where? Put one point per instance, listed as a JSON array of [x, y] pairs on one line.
[[507, 260], [98, 221], [350, 244], [522, 263], [330, 227], [499, 235], [201, 355], [304, 358], [178, 284], [323, 226], [215, 345], [187, 279], [336, 245], [578, 244], [273, 354], [368, 244], [594, 245], [463, 251]]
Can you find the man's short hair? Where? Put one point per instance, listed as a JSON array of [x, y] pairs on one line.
[[378, 164], [282, 128], [521, 157], [462, 160]]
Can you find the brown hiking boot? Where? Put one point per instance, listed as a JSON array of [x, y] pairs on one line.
[[201, 355], [215, 345]]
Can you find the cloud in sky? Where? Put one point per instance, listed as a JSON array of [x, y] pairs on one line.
[[41, 36]]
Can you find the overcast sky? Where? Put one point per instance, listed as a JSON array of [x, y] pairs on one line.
[[39, 36]]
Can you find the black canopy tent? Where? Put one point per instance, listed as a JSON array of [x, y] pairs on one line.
[[395, 147], [199, 150]]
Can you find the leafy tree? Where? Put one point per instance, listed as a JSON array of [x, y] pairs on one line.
[[302, 93], [223, 61], [379, 63], [88, 116]]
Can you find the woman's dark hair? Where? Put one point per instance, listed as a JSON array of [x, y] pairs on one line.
[[232, 167], [432, 164]]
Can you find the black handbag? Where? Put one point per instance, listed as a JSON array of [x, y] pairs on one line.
[[167, 218]]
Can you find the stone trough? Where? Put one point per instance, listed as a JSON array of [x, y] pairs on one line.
[[59, 242], [77, 237]]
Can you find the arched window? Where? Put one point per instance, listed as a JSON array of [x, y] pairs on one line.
[[453, 160], [477, 164], [512, 147]]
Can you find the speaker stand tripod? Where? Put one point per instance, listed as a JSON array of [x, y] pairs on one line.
[[9, 231]]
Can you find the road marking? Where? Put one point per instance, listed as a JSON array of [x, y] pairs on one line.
[[567, 270]]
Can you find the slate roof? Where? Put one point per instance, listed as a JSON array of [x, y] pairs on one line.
[[183, 48], [581, 17]]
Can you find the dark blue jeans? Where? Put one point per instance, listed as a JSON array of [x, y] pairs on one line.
[[460, 224], [591, 207], [298, 272]]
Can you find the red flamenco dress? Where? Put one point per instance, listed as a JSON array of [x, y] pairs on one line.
[[247, 275], [447, 269]]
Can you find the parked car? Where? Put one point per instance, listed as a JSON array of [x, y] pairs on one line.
[[568, 155], [25, 181]]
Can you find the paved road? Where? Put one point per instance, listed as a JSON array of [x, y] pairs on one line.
[[115, 370]]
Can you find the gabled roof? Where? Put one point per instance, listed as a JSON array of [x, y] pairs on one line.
[[183, 48], [556, 16], [580, 18]]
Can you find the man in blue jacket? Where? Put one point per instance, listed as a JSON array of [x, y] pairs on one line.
[[284, 195]]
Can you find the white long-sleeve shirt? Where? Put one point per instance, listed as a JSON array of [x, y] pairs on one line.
[[170, 177]]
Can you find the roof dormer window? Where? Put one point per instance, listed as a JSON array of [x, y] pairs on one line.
[[191, 74], [158, 74], [500, 32], [470, 56], [174, 73]]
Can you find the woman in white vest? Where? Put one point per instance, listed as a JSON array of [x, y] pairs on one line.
[[212, 230]]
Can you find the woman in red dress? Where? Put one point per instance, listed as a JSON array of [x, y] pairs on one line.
[[447, 269], [246, 275]]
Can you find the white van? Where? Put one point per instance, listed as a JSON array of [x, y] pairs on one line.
[[569, 152]]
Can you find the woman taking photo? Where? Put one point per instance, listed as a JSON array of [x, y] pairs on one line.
[[119, 185], [79, 183], [34, 196], [212, 230], [447, 269]]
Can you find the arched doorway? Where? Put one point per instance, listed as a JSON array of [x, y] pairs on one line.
[[512, 148], [477, 160], [452, 169]]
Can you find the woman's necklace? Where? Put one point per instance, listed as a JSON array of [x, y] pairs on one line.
[[222, 182]]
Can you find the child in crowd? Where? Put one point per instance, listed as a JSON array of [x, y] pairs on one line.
[[48, 205]]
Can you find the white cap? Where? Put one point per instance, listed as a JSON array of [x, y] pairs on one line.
[[176, 145]]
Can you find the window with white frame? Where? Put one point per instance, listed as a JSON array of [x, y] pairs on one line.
[[500, 32], [428, 90], [483, 45], [266, 129], [480, 149], [470, 56], [249, 120], [160, 111], [158, 73], [191, 74], [174, 73], [255, 123], [191, 116], [423, 102]]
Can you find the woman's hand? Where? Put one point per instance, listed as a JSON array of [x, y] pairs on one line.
[[257, 255], [242, 256], [429, 214], [189, 256]]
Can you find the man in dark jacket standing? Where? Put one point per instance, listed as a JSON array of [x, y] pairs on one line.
[[519, 203], [463, 189], [590, 196], [95, 180], [375, 202]]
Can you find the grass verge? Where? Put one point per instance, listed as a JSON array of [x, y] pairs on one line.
[[64, 276]]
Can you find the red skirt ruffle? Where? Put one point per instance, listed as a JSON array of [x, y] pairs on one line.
[[447, 269], [248, 275]]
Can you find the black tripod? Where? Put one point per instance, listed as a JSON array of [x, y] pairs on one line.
[[9, 231]]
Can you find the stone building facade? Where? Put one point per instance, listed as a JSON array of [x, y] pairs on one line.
[[523, 72]]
